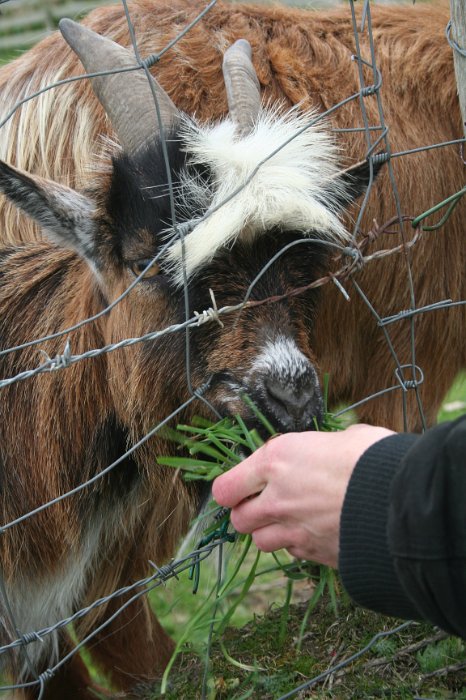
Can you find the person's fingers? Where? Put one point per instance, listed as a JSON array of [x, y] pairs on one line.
[[277, 536], [253, 513], [240, 482]]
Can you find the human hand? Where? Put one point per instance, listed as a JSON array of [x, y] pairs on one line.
[[289, 493]]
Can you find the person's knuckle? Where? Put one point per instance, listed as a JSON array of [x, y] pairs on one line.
[[271, 458], [238, 521], [261, 541], [277, 509]]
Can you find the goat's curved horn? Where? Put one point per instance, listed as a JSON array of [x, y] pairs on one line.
[[126, 97], [242, 86]]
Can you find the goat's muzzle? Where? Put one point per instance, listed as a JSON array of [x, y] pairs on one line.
[[281, 382], [293, 406]]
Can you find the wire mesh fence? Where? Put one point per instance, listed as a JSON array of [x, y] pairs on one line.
[[397, 237]]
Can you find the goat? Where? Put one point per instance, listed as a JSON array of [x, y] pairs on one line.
[[301, 57], [64, 427]]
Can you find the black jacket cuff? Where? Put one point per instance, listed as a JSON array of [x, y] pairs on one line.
[[365, 564]]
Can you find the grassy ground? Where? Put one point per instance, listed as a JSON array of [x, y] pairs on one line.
[[455, 401], [254, 662]]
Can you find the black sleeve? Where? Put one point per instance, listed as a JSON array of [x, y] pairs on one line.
[[403, 527]]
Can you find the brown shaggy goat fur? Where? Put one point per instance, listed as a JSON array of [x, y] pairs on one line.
[[300, 57]]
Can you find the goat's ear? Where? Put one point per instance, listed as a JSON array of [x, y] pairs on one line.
[[354, 181], [65, 215]]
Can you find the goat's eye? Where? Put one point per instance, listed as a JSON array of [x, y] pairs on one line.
[[138, 266]]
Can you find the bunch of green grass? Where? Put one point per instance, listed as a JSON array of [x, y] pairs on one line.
[[212, 449]]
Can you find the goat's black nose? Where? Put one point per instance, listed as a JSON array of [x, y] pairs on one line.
[[294, 404]]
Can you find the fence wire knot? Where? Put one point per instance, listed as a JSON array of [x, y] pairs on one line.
[[355, 253], [45, 675], [183, 228], [369, 90], [221, 513], [151, 60], [404, 312], [210, 314], [29, 637], [59, 361], [380, 158], [409, 383], [200, 391], [164, 572]]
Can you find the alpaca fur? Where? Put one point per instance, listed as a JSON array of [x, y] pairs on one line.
[[301, 57]]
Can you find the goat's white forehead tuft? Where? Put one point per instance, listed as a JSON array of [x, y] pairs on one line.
[[280, 175]]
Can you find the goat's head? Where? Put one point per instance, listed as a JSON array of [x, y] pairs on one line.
[[255, 186]]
